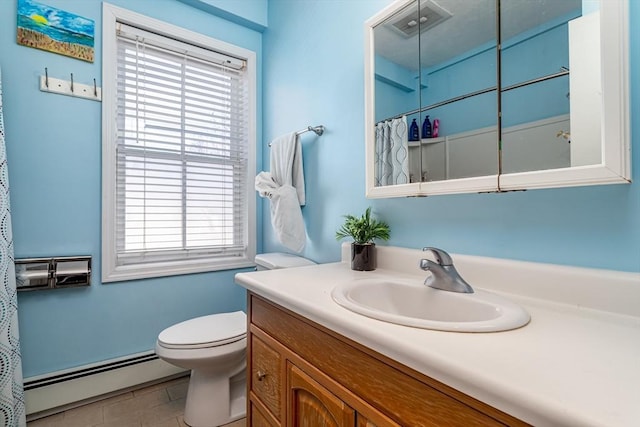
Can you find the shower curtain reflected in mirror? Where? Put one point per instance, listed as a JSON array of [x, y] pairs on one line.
[[12, 409], [392, 152]]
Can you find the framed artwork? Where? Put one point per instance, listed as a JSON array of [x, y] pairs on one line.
[[55, 30]]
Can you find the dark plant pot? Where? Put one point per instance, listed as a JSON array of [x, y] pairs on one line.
[[363, 256]]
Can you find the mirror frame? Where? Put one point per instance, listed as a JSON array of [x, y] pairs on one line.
[[615, 166]]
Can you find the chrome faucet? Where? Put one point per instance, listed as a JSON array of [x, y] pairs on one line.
[[444, 275]]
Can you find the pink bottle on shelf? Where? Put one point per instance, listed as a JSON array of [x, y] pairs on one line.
[[434, 128]]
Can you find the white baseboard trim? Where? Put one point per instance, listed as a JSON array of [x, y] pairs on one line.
[[62, 390]]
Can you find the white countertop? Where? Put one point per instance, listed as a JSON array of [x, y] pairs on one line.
[[572, 365]]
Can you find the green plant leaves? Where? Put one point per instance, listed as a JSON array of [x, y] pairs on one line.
[[364, 229]]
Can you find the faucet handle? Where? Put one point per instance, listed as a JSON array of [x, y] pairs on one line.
[[441, 256]]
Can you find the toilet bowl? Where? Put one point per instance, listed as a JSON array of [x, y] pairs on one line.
[[214, 349]]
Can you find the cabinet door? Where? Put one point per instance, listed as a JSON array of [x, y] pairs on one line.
[[363, 422], [311, 405], [381, 421], [257, 419], [265, 379]]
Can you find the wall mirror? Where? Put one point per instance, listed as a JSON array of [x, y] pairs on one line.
[[495, 95]]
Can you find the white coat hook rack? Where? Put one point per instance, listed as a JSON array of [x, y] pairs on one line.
[[69, 87]]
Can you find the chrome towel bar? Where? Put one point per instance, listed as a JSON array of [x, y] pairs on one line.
[[318, 130]]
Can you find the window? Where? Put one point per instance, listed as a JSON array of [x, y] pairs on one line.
[[178, 150]]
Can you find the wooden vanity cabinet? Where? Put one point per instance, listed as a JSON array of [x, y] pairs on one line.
[[304, 375]]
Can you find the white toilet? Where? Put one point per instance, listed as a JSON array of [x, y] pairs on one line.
[[276, 260], [214, 348]]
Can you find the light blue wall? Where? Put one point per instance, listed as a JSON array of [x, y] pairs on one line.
[[396, 89], [54, 157], [249, 13], [313, 74]]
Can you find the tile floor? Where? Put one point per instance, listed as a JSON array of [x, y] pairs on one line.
[[159, 405]]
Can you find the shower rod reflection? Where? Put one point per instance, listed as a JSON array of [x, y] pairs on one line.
[[318, 130]]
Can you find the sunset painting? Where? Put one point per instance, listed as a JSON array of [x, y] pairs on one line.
[[44, 27]]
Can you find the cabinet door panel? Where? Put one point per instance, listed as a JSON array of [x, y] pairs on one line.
[[363, 422], [265, 377], [257, 418], [311, 405]]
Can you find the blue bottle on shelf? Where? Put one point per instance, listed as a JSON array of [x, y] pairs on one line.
[[426, 128], [414, 134]]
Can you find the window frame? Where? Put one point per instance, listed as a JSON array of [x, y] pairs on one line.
[[111, 271]]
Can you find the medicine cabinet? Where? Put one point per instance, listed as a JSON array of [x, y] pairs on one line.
[[519, 94]]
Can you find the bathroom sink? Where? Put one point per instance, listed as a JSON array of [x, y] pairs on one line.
[[411, 303]]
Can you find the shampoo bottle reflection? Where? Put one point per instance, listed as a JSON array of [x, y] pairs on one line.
[[414, 134], [426, 128]]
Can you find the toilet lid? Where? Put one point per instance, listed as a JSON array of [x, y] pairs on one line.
[[276, 260], [206, 331]]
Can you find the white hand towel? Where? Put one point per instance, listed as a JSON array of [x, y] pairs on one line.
[[286, 216], [286, 163], [284, 186]]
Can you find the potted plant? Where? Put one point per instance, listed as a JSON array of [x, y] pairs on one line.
[[364, 231]]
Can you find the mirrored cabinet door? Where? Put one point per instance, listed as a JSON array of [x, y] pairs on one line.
[[397, 93], [535, 84], [458, 72]]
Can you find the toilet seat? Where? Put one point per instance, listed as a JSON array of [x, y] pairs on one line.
[[206, 331]]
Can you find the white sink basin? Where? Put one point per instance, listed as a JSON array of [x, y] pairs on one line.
[[411, 303]]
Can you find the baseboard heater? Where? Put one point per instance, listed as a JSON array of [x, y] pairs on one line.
[[61, 390]]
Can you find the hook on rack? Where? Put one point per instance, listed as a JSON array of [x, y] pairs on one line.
[[71, 82], [95, 88], [46, 74]]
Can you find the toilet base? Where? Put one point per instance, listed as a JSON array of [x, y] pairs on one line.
[[212, 403]]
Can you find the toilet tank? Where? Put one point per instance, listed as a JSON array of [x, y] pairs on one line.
[[274, 260]]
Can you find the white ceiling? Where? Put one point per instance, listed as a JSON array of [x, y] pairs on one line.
[[472, 24]]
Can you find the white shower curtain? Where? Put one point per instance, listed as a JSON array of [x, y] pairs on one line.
[[12, 410], [392, 152]]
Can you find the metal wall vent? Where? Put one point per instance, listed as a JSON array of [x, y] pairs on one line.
[[408, 22]]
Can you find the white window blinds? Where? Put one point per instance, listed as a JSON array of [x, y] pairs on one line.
[[182, 151]]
